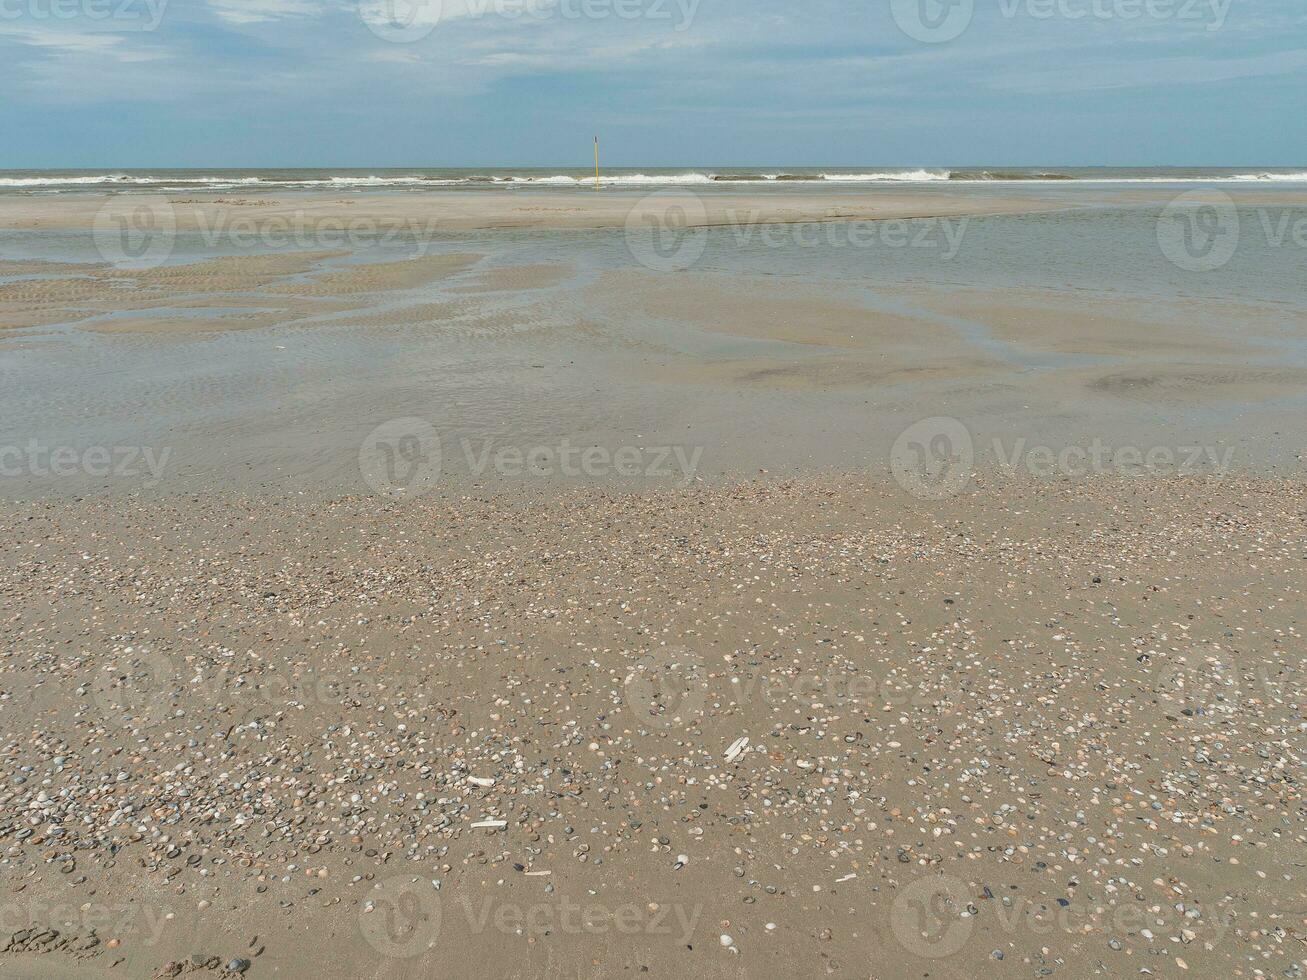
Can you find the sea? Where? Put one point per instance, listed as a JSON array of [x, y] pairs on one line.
[[509, 179]]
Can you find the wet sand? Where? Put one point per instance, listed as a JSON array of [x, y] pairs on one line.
[[271, 369]]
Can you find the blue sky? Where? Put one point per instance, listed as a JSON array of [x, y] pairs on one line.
[[119, 83]]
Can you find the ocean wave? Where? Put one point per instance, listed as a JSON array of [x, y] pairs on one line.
[[1013, 177], [58, 181], [1295, 177], [982, 175], [371, 181], [909, 176], [55, 183], [127, 181], [644, 180]]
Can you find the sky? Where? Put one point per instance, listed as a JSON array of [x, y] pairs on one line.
[[407, 83]]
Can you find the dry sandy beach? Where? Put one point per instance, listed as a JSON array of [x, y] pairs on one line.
[[469, 211], [800, 728], [547, 592], [462, 211]]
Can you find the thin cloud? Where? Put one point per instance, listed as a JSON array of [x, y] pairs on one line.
[[74, 43], [263, 11], [1157, 72]]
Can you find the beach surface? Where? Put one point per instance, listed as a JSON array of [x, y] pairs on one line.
[[802, 728], [265, 344], [855, 584], [463, 211]]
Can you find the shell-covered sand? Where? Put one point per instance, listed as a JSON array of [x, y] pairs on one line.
[[779, 728]]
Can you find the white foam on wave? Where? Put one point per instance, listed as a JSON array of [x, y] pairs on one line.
[[57, 181], [691, 178], [639, 179], [1299, 178], [126, 179], [911, 176], [559, 179], [1296, 178], [368, 181]]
